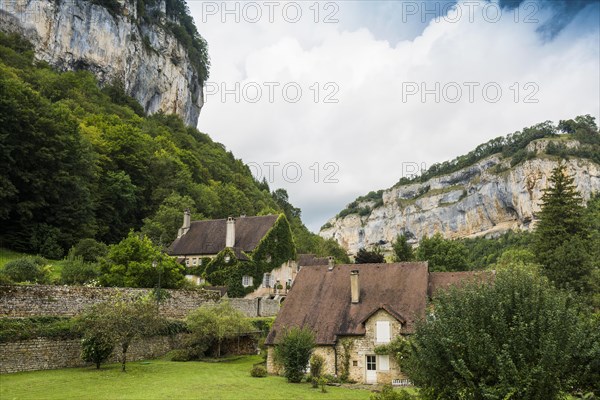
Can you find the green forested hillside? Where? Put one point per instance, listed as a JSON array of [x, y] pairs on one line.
[[81, 161]]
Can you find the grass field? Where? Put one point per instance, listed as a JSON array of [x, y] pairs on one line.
[[158, 379], [9, 255]]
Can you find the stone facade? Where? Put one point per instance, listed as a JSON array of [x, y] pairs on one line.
[[362, 346], [45, 300]]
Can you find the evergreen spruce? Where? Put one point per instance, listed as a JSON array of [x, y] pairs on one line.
[[562, 242]]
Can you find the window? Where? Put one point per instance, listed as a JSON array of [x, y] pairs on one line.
[[384, 363], [383, 331], [268, 258], [200, 261], [266, 280], [371, 363], [227, 258], [247, 281], [187, 262], [355, 363], [194, 261]]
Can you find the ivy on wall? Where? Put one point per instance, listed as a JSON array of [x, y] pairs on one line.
[[274, 249]]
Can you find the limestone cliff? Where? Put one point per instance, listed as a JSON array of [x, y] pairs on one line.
[[486, 198], [153, 65]]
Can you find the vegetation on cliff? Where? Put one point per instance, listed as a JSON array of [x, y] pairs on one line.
[[79, 161]]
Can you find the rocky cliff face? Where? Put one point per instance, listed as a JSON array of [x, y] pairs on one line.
[[487, 198], [75, 34]]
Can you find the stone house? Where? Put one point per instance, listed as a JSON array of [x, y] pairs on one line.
[[236, 242], [354, 308]]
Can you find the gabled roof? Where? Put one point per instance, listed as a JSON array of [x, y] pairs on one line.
[[208, 236], [320, 299]]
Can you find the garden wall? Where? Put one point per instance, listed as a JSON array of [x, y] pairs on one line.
[[67, 301], [42, 353]]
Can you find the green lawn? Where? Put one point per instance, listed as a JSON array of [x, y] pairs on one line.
[[158, 379], [7, 255]]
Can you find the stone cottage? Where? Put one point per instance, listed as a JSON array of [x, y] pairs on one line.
[[256, 251], [363, 305]]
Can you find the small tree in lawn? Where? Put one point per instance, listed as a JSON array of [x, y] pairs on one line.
[[120, 321], [213, 324], [96, 350], [293, 352]]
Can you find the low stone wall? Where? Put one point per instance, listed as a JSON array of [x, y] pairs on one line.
[[42, 353], [18, 301]]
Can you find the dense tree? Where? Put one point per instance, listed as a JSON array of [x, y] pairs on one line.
[[562, 244], [27, 269], [89, 250], [443, 254], [210, 325], [76, 271], [120, 321], [364, 256], [95, 350], [129, 263], [403, 251], [293, 352], [517, 337]]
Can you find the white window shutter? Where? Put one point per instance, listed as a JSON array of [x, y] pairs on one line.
[[383, 331], [384, 363]]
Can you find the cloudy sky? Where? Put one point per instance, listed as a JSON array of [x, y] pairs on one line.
[[333, 99]]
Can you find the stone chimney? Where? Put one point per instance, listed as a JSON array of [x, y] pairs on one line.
[[330, 263], [354, 286], [230, 235], [187, 222]]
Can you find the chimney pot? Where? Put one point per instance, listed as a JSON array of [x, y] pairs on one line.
[[187, 222], [330, 263], [354, 286], [230, 233]]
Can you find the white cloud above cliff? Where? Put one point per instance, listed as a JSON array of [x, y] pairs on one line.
[[370, 62]]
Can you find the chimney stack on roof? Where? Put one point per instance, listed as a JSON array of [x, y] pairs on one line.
[[354, 286], [187, 222], [230, 233]]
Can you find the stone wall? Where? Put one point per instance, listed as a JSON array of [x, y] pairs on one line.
[[42, 353], [67, 301]]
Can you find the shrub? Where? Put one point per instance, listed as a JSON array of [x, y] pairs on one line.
[[293, 352], [13, 330], [89, 249], [258, 371], [180, 355], [76, 271], [388, 393], [96, 350], [27, 269], [316, 369]]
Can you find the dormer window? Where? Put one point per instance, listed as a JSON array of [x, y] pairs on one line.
[[247, 281], [383, 331]]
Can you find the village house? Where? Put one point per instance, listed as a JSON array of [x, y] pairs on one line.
[[257, 251], [354, 308]]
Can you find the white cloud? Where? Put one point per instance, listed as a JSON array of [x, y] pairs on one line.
[[371, 130]]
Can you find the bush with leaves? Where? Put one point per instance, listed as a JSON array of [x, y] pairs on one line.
[[258, 371], [210, 325], [90, 250], [388, 393], [293, 352], [27, 269], [443, 254], [364, 256], [517, 337], [75, 270], [96, 349], [316, 369]]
